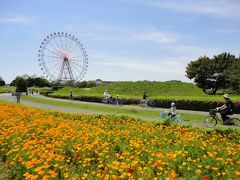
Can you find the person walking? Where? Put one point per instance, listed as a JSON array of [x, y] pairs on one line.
[[18, 96], [71, 94]]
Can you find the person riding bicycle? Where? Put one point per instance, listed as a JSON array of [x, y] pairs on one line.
[[106, 95], [118, 100], [172, 111], [226, 109], [145, 98]]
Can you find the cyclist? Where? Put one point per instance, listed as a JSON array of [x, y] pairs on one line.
[[145, 98], [106, 96], [226, 109], [172, 111], [118, 100]]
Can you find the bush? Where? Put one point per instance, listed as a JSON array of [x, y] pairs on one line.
[[45, 93], [56, 88]]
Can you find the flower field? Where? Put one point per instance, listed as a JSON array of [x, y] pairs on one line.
[[40, 144]]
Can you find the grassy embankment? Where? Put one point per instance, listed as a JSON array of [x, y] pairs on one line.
[[156, 90], [5, 89]]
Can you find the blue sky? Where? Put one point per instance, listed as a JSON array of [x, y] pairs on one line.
[[124, 39]]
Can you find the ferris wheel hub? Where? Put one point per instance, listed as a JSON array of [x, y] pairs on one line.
[[65, 59]]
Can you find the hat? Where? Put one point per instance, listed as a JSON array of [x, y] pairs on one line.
[[226, 96]]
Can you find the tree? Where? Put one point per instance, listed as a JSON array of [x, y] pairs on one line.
[[41, 82], [70, 83], [21, 84], [91, 84], [2, 82], [199, 70], [210, 73], [233, 75], [81, 84], [221, 63], [32, 81]]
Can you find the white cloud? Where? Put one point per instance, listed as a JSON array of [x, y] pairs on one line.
[[112, 67], [157, 36], [222, 8], [18, 20], [139, 64]]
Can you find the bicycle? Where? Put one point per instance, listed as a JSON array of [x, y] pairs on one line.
[[147, 102], [118, 101], [175, 118], [212, 119], [110, 100], [107, 100]]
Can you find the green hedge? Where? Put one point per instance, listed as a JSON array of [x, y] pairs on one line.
[[46, 93], [195, 105], [80, 98]]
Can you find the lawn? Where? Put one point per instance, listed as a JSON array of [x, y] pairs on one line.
[[142, 113]]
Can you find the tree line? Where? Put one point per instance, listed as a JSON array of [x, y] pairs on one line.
[[25, 81], [220, 72]]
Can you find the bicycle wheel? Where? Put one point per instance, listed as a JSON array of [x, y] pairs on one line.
[[151, 103], [177, 119], [104, 100], [120, 102], [234, 122], [210, 121]]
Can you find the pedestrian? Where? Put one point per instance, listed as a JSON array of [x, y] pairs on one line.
[[18, 96], [71, 94]]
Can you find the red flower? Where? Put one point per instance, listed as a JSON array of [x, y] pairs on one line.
[[131, 170], [206, 177], [54, 152], [78, 156]]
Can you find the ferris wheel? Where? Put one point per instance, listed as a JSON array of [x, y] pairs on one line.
[[62, 58]]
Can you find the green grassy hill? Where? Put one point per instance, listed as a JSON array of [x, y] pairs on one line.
[[5, 89], [136, 89], [156, 90]]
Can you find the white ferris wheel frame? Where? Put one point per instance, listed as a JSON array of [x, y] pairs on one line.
[[62, 57]]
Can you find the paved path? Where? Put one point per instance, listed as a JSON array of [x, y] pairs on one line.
[[9, 97]]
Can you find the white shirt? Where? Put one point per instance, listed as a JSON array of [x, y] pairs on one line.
[[105, 94]]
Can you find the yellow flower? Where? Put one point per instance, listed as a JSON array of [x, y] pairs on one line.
[[45, 177], [40, 172], [53, 173], [198, 171], [74, 178], [237, 173], [214, 168], [66, 175]]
